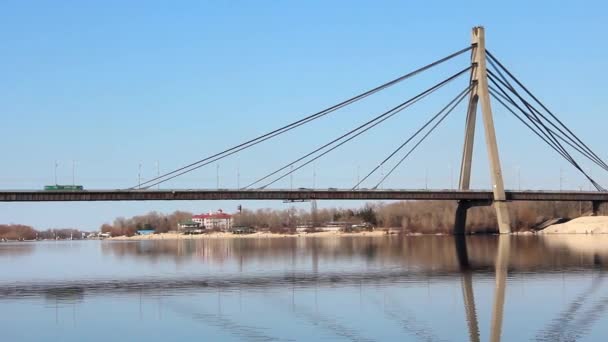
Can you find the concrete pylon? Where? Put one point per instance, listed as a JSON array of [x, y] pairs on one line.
[[501, 269], [480, 93]]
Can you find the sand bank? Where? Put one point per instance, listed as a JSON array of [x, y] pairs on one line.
[[581, 225], [581, 243], [177, 236]]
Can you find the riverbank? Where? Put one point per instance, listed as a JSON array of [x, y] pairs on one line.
[[581, 225], [257, 235]]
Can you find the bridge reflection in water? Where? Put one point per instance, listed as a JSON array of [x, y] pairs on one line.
[[403, 260]]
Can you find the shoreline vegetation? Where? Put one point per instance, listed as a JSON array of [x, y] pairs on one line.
[[256, 235], [577, 226], [20, 232], [404, 218]]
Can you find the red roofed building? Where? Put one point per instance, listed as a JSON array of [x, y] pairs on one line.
[[214, 220]]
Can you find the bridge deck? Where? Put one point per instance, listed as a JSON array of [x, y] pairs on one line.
[[295, 195]]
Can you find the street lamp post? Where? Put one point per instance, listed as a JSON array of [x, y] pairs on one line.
[[314, 176], [217, 176], [451, 176], [157, 173], [73, 172]]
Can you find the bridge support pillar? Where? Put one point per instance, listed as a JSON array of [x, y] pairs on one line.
[[460, 243], [460, 220], [480, 92], [596, 206]]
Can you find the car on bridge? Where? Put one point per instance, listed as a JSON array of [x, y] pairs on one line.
[[58, 187]]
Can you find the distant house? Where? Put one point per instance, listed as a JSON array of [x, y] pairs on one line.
[[243, 230], [214, 220], [190, 227], [335, 226]]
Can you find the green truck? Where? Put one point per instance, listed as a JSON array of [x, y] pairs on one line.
[[58, 187]]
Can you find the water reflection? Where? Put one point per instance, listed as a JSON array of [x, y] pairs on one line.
[[16, 249], [430, 253], [502, 262], [64, 294], [462, 255], [571, 324], [370, 274]]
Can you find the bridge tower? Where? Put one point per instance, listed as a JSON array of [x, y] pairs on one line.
[[480, 93]]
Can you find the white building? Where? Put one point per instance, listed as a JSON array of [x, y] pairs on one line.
[[214, 220]]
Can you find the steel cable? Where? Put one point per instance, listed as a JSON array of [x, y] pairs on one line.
[[384, 116], [561, 135], [466, 90], [557, 148], [191, 167], [494, 59], [462, 96]]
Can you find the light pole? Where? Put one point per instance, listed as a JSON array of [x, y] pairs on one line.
[[314, 175], [426, 178], [139, 176], [217, 175], [518, 175], [580, 204], [56, 164], [291, 177], [73, 172], [157, 173], [238, 177], [451, 176], [381, 176]]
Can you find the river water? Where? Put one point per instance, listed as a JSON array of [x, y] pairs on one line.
[[422, 288]]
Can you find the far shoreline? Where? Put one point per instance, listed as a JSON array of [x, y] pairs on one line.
[[225, 235]]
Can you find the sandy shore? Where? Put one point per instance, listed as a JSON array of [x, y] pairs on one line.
[[579, 243], [581, 225], [177, 236]]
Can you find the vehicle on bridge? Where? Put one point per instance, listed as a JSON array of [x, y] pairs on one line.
[[58, 187]]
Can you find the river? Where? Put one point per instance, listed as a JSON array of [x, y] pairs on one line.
[[419, 288]]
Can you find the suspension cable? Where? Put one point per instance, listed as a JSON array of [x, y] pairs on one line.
[[557, 148], [562, 136], [462, 97], [540, 103], [575, 147], [500, 97], [537, 123], [288, 127], [570, 160], [384, 116], [466, 90]]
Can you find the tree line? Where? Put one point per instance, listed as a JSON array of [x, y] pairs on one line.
[[160, 223], [20, 232], [407, 216]]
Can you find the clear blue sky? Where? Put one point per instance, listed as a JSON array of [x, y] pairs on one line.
[[112, 85]]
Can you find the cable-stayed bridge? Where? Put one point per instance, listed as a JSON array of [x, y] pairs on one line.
[[485, 78]]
